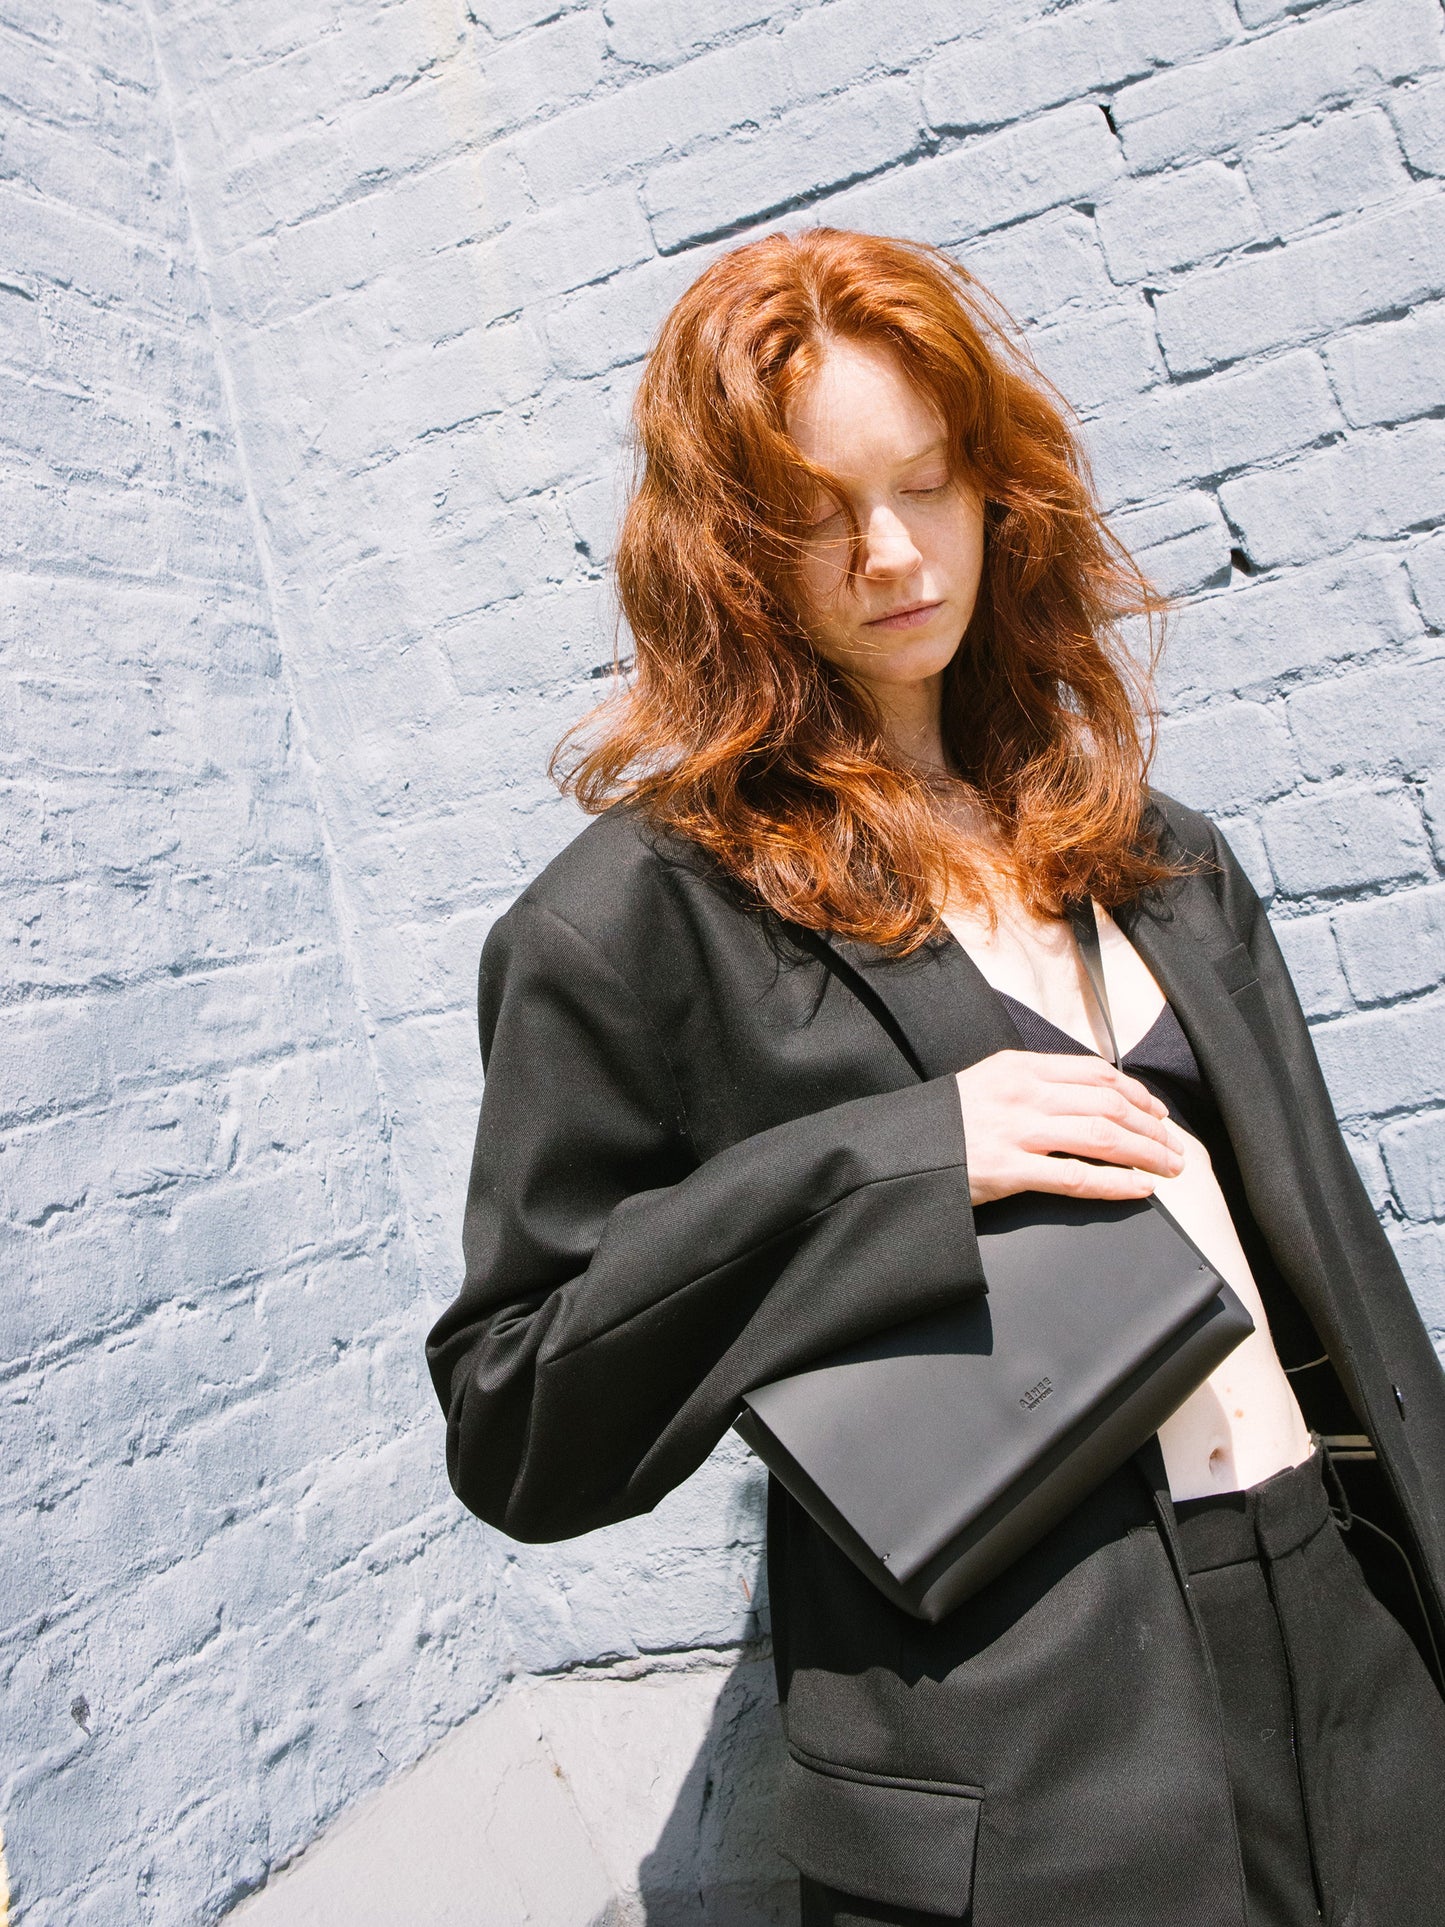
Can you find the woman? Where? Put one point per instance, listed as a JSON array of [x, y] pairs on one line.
[[801, 997]]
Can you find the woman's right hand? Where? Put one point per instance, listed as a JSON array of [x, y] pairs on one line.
[[1030, 1118]]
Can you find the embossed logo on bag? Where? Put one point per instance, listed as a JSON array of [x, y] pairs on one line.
[[1036, 1394]]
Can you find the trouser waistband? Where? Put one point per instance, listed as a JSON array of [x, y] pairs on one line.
[[1269, 1519]]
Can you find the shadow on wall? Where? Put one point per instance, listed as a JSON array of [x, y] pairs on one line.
[[716, 1863]]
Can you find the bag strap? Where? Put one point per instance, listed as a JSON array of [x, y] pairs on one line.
[[1086, 935]]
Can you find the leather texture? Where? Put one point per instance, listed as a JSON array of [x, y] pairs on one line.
[[937, 1453]]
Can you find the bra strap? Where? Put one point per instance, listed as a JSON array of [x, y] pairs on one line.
[[1086, 935]]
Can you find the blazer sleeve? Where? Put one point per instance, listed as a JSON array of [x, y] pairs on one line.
[[620, 1292]]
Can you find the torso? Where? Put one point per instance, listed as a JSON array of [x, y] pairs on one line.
[[1244, 1423]]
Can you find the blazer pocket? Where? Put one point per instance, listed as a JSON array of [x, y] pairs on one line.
[[905, 1843]]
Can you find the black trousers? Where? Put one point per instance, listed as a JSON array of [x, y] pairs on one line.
[[1334, 1730]]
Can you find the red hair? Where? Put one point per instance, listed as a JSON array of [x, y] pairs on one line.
[[738, 734]]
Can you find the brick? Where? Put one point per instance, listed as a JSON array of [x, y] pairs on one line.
[[1414, 1154], [504, 18], [57, 1058], [666, 114], [374, 146], [354, 57], [536, 447], [1345, 839], [1243, 837], [1337, 166], [1226, 758], [532, 638], [63, 624], [1373, 1175], [1392, 371], [1421, 1252], [341, 250], [563, 248], [1393, 946], [800, 156], [1434, 801], [126, 533], [595, 511], [1041, 266], [613, 322], [1388, 719], [100, 349], [535, 78], [1313, 960], [663, 33], [1373, 265], [148, 1145], [1100, 356], [1006, 76], [90, 177], [1215, 104], [1174, 220], [1384, 1061], [116, 42], [1211, 428], [54, 243], [45, 88], [213, 1019], [1259, 13], [1249, 637], [1067, 155], [832, 48], [87, 935], [1181, 543], [1368, 486], [1427, 578], [1419, 116]]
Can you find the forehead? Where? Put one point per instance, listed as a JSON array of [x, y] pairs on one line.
[[859, 408]]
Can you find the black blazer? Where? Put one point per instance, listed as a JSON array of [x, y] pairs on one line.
[[713, 1147]]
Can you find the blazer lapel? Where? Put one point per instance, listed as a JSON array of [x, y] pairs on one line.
[[1200, 966], [936, 1003]]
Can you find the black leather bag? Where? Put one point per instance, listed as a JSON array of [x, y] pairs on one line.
[[937, 1453]]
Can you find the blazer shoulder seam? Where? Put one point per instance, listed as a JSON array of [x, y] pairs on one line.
[[605, 965]]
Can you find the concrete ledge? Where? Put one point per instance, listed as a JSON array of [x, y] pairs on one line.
[[639, 1795]]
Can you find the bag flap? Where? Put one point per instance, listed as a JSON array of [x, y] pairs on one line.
[[914, 1434]]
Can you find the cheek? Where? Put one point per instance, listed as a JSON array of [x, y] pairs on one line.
[[963, 545], [819, 585]]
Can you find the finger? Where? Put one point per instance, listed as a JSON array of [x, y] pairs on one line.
[[1115, 1105], [1096, 1136], [1063, 1067], [1068, 1178]]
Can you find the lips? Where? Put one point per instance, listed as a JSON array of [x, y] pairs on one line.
[[903, 618]]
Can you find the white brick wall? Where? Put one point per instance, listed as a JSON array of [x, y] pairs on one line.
[[318, 328]]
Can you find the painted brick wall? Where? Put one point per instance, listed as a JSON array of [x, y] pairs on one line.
[[213, 1474], [318, 329]]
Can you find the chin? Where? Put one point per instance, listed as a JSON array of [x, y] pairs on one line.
[[916, 660]]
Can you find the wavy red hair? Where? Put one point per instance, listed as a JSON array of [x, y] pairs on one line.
[[737, 734]]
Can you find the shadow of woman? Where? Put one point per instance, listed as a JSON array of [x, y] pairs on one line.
[[715, 1863]]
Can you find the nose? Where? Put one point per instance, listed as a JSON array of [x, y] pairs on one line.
[[889, 550]]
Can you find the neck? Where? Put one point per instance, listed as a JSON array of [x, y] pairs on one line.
[[913, 719]]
